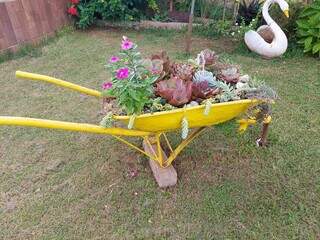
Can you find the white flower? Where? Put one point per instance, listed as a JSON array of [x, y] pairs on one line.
[[232, 33], [240, 26], [238, 31], [237, 24]]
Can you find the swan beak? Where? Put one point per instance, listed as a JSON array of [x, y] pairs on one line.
[[286, 13]]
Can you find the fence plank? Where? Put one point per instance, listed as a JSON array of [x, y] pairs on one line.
[[24, 21]]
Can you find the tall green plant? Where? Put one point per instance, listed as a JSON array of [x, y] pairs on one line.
[[248, 10], [309, 28], [131, 83]]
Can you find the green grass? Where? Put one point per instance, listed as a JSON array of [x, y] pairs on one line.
[[33, 50], [61, 185]]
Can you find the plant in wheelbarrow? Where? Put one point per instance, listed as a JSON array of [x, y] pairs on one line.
[[131, 82], [185, 92]]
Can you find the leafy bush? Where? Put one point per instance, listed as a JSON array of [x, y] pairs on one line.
[[288, 25], [248, 11], [204, 8], [309, 28], [214, 30], [216, 12], [86, 12]]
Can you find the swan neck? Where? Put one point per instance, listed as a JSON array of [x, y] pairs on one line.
[[265, 11]]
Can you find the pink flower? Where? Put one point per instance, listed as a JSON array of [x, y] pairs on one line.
[[114, 59], [126, 44], [122, 73], [73, 11], [106, 85], [155, 71]]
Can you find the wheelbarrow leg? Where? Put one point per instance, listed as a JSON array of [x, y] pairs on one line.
[[262, 141], [165, 177]]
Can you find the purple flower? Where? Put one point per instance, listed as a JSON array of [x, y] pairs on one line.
[[126, 43], [122, 73], [114, 59], [106, 85]]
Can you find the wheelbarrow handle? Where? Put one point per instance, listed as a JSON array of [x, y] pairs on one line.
[[70, 126], [59, 82]]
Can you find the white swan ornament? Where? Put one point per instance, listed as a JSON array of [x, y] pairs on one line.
[[278, 45]]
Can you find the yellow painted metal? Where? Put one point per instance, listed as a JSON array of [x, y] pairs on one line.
[[160, 155], [148, 126], [68, 126], [171, 120], [267, 120], [135, 147], [182, 145], [147, 140], [167, 141], [245, 123], [59, 82]]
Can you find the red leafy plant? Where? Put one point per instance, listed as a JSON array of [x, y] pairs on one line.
[[210, 57], [176, 91], [183, 71], [163, 57], [201, 90], [229, 74]]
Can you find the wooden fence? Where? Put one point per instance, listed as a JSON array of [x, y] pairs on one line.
[[27, 21]]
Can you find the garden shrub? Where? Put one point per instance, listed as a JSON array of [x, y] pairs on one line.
[[288, 25], [87, 12], [309, 28]]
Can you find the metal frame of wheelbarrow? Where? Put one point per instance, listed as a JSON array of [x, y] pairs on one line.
[[152, 141]]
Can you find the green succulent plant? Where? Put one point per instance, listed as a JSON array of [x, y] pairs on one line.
[[228, 92], [107, 121], [159, 104], [184, 128], [206, 76]]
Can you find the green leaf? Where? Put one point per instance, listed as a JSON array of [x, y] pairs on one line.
[[313, 20], [303, 24], [313, 32], [307, 44], [308, 12], [303, 33], [316, 48]]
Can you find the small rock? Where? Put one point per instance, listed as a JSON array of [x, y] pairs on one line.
[[242, 85], [83, 98], [11, 205], [192, 104], [132, 173], [55, 165], [244, 78]]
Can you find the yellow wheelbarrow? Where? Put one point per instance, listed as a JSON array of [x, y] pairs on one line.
[[151, 127]]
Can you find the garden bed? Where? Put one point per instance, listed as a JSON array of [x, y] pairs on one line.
[[145, 24]]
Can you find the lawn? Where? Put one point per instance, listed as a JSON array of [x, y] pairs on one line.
[[62, 185]]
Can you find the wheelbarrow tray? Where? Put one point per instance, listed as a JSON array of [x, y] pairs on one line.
[[171, 120]]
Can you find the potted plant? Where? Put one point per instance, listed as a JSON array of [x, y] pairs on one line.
[[147, 85]]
